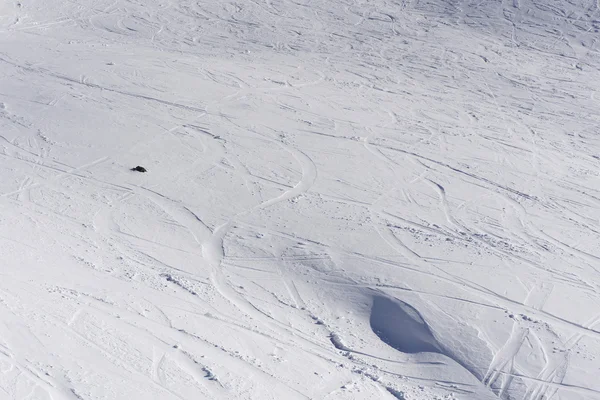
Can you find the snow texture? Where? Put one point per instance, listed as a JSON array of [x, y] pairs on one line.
[[343, 199]]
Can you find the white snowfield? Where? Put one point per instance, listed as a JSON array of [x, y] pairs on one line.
[[344, 199]]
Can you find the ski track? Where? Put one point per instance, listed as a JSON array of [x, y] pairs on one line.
[[303, 157]]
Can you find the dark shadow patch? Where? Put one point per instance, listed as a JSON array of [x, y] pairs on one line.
[[401, 326]]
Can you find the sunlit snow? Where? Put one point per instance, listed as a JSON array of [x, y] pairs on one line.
[[342, 199]]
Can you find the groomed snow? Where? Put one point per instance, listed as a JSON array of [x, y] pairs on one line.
[[344, 199]]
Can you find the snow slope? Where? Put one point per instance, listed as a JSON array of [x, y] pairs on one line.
[[345, 199]]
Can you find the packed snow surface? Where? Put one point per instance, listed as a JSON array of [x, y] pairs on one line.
[[343, 199]]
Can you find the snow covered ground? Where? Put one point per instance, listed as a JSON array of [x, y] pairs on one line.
[[345, 199]]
